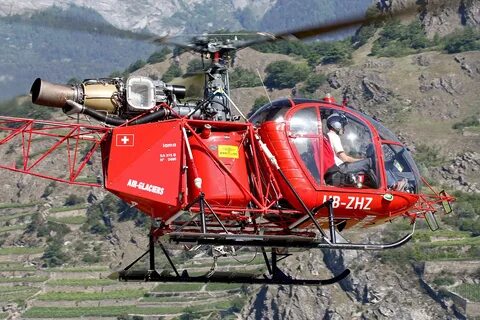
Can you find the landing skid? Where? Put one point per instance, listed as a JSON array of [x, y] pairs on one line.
[[202, 236], [275, 275]]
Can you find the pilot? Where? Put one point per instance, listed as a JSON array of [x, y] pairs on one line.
[[343, 162]]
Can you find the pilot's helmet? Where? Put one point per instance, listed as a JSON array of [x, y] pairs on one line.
[[337, 122]]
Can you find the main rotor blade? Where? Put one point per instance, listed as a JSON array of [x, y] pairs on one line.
[[330, 27], [71, 22]]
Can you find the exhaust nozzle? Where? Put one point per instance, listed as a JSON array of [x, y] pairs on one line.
[[54, 95]]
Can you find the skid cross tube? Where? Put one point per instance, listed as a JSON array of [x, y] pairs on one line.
[[281, 241], [276, 276]]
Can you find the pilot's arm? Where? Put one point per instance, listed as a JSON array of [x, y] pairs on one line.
[[338, 148], [346, 158]]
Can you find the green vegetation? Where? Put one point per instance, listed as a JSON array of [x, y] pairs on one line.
[[11, 266], [81, 296], [471, 121], [178, 287], [469, 291], [313, 82], [23, 279], [243, 78], [314, 52], [17, 293], [69, 208], [194, 65], [54, 255], [81, 269], [100, 215], [444, 280], [49, 189], [172, 72], [59, 312], [466, 216], [135, 66], [159, 55], [73, 200], [69, 220], [17, 205], [14, 216], [398, 40], [466, 40], [365, 32], [91, 258], [82, 282], [50, 228], [11, 228], [284, 74], [259, 102], [20, 250], [428, 155], [222, 286]]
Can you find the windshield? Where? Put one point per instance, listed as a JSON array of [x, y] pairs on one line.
[[401, 171]]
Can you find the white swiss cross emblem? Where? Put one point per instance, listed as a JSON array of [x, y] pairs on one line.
[[125, 140]]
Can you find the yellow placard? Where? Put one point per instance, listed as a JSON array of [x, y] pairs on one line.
[[228, 152]]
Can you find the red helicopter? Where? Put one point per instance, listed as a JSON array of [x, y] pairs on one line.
[[207, 177]]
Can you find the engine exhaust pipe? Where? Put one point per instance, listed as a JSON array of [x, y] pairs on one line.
[[54, 95]]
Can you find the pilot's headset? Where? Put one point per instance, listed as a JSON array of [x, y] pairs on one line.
[[337, 123]]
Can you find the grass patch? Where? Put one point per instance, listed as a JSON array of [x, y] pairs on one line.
[[18, 296], [174, 299], [17, 205], [3, 315], [81, 296], [23, 279], [69, 220], [4, 289], [222, 286], [82, 282], [21, 250], [469, 291], [242, 260], [68, 208], [115, 311], [90, 179], [9, 266], [12, 228], [178, 287], [449, 243], [80, 269], [14, 216]]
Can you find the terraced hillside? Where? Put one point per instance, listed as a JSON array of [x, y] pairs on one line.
[[31, 290]]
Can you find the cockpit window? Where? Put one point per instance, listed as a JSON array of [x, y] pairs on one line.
[[304, 122], [274, 111], [350, 138], [401, 171], [304, 133]]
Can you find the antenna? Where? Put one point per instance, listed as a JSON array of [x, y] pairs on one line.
[[263, 85]]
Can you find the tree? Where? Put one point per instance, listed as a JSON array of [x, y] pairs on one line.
[[53, 255], [284, 74], [73, 199], [159, 55], [313, 82], [195, 65], [338, 52], [173, 71], [136, 65], [259, 102], [468, 40], [244, 78]]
